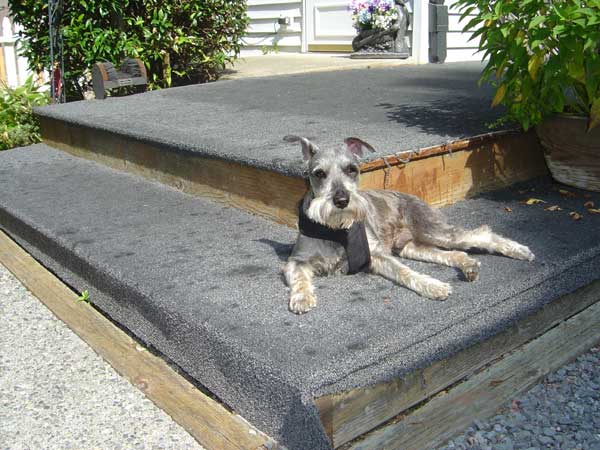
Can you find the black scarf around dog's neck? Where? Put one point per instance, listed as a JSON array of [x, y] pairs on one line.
[[353, 239]]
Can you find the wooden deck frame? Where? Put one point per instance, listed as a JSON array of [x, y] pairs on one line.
[[440, 175], [209, 422], [349, 415]]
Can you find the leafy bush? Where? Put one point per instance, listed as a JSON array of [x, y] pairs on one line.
[[18, 125], [180, 41], [544, 55]]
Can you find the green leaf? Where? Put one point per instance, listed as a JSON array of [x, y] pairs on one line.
[[536, 22], [593, 21], [591, 87], [536, 44], [594, 115], [84, 297], [218, 28], [467, 12], [500, 93], [472, 23], [534, 65], [576, 71], [558, 30]]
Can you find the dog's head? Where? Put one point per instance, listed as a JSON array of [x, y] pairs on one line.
[[333, 174]]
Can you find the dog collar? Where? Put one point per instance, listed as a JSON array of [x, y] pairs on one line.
[[354, 240]]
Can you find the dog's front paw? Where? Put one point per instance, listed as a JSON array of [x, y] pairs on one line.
[[471, 269], [437, 290], [302, 302]]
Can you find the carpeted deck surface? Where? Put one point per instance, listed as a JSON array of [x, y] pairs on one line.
[[200, 282]]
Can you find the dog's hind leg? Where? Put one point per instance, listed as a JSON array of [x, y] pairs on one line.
[[453, 258], [298, 276], [389, 267], [480, 238]]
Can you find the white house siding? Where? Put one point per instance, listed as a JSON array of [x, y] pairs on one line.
[[459, 46], [265, 34]]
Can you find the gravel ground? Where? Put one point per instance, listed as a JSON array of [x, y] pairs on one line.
[[56, 393], [562, 412]]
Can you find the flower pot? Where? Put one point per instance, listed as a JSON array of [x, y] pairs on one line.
[[572, 153]]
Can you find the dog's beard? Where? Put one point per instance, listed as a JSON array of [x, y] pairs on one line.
[[323, 211]]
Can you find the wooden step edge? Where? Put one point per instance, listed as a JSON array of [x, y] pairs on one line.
[[210, 423], [269, 194], [443, 175], [347, 415], [439, 175], [484, 393], [403, 157]]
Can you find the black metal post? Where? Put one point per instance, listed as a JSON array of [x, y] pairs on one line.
[[57, 63]]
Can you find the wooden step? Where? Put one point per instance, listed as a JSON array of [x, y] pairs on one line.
[[224, 140], [440, 175]]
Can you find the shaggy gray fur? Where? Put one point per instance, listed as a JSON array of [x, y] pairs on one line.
[[396, 223]]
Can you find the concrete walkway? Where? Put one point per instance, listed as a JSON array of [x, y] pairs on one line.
[[286, 64], [56, 393]]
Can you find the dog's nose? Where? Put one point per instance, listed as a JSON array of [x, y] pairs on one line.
[[341, 199]]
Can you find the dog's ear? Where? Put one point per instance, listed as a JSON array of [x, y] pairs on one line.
[[308, 148], [357, 146]]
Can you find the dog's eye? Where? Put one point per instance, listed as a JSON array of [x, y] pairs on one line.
[[319, 173], [351, 171]]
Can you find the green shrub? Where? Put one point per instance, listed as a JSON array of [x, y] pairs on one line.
[[180, 41], [18, 125], [544, 55]]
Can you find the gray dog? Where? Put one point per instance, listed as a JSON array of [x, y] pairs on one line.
[[346, 230]]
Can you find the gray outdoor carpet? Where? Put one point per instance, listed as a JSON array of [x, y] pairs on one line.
[[394, 109], [200, 282]]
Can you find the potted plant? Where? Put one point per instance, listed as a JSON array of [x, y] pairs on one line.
[[544, 59], [381, 26]]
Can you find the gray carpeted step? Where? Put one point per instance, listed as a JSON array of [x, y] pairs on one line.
[[395, 109], [201, 283]]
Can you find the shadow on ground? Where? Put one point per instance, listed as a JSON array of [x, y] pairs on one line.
[[281, 249], [459, 117]]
